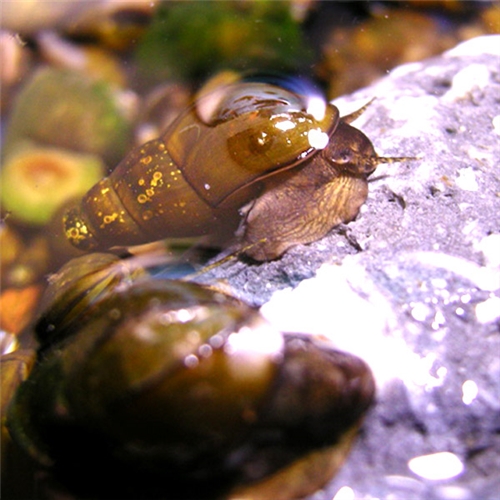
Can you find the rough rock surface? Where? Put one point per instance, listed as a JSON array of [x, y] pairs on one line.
[[413, 284]]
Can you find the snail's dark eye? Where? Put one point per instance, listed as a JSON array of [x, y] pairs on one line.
[[343, 156]]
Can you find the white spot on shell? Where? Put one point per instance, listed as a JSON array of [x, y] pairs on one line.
[[216, 341], [253, 349], [285, 125], [316, 106], [261, 340], [317, 139], [205, 350], [191, 361]]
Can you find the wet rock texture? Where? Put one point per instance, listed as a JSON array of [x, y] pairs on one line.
[[413, 284]]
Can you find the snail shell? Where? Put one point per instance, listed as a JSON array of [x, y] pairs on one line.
[[282, 164], [169, 382], [192, 180]]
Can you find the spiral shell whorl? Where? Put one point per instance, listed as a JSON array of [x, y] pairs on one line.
[[78, 230]]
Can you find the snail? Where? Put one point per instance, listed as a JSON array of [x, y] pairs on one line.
[[167, 388], [279, 163]]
